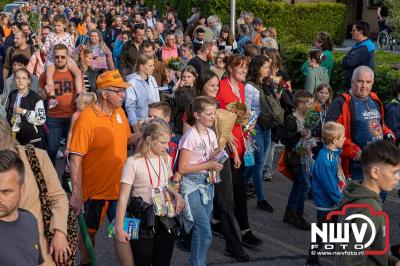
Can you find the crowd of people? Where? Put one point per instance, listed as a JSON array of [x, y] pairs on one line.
[[169, 126]]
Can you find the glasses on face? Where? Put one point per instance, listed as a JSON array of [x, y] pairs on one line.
[[121, 92], [60, 57]]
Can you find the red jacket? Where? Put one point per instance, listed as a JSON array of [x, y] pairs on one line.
[[340, 112]]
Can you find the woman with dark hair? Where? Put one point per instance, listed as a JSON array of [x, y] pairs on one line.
[[316, 73], [324, 44], [231, 90], [182, 97], [226, 40], [256, 101]]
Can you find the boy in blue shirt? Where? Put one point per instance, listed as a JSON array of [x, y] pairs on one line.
[[328, 178]]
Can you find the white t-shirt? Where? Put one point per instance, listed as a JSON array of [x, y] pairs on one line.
[[201, 146], [136, 173]]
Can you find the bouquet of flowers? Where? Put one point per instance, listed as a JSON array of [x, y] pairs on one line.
[[33, 16], [240, 109], [312, 120], [281, 86], [175, 63]]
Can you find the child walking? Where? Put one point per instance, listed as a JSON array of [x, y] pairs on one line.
[[294, 139], [322, 99], [328, 178], [196, 164], [145, 181]]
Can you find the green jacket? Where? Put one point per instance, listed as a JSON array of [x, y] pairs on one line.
[[355, 193], [328, 64], [315, 77]]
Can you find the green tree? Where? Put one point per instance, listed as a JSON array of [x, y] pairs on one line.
[[394, 13]]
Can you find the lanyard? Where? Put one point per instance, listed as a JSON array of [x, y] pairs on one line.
[[148, 171], [204, 144]]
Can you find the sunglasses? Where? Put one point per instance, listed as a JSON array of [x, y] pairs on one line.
[[60, 57]]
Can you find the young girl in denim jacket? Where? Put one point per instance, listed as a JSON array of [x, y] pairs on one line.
[[196, 164]]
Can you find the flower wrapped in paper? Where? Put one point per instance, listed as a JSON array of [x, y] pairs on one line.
[[224, 123], [240, 109]]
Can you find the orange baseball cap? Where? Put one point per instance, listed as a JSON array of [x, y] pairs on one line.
[[111, 78]]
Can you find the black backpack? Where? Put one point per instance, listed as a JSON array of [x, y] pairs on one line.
[[272, 114]]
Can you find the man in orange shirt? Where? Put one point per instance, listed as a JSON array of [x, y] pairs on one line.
[[98, 152]]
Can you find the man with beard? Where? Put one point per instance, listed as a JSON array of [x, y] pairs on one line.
[[98, 153], [207, 53], [59, 117], [19, 242]]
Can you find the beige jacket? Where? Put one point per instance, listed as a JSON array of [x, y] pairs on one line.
[[58, 198]]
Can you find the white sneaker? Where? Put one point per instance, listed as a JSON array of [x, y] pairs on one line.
[[59, 155]]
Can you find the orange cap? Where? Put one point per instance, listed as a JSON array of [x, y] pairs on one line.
[[111, 78]]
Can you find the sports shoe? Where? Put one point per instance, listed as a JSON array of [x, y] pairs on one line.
[[267, 176], [264, 206], [59, 155], [298, 221], [52, 102], [239, 255], [250, 241]]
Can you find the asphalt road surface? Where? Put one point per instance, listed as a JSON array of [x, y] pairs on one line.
[[283, 244]]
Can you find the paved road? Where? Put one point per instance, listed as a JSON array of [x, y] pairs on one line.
[[284, 245]]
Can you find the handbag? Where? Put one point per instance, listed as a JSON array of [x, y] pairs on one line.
[[282, 168], [72, 226]]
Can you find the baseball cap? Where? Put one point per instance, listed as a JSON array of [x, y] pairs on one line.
[[258, 21], [111, 78]]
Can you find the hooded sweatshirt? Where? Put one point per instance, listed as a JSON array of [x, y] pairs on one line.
[[139, 96], [355, 193], [316, 76]]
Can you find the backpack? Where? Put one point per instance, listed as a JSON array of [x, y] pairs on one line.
[[272, 114]]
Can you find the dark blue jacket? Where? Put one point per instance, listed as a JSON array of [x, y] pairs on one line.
[[392, 117], [361, 54], [325, 181]]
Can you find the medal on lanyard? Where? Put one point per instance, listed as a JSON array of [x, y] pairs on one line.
[[158, 202], [248, 157], [169, 203], [157, 195]]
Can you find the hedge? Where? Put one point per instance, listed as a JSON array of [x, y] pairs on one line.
[[302, 20], [4, 2], [293, 56]]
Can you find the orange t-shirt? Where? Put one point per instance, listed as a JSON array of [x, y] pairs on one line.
[[102, 142], [7, 30], [64, 88]]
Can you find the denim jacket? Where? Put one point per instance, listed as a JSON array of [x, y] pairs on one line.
[[189, 184]]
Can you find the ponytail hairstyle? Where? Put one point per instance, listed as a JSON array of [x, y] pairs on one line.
[[152, 130], [317, 56], [198, 105]]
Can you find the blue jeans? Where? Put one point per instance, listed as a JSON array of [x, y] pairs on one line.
[[201, 235], [58, 128], [263, 141], [298, 194]]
